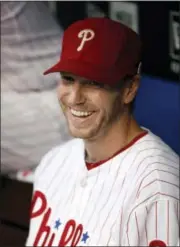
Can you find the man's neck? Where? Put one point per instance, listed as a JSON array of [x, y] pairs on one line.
[[117, 137]]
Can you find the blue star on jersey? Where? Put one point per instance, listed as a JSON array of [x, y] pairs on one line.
[[85, 237], [57, 224]]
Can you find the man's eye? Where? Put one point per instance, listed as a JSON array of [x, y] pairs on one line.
[[67, 79], [95, 84]]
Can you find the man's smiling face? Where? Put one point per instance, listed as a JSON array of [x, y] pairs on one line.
[[90, 108]]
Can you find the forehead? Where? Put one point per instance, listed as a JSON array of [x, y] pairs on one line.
[[85, 81]]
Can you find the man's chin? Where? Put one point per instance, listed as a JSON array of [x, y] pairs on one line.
[[80, 133]]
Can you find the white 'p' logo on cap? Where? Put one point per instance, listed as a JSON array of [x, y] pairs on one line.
[[85, 35]]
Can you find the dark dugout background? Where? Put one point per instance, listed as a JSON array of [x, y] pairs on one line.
[[158, 24]]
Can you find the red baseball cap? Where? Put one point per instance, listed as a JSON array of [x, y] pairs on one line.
[[99, 49]]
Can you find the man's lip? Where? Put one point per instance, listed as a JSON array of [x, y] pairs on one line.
[[90, 113], [83, 110], [82, 117], [79, 118]]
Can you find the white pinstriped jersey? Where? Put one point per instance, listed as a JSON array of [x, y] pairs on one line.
[[131, 199]]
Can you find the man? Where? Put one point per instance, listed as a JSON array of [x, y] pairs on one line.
[[116, 183], [30, 112]]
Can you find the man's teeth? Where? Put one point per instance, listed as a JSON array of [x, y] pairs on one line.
[[80, 113]]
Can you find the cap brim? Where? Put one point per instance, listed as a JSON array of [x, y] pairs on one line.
[[81, 69], [53, 69], [88, 71]]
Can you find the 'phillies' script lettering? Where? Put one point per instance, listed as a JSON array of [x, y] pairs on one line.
[[71, 234]]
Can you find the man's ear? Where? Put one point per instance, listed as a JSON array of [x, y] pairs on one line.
[[131, 89]]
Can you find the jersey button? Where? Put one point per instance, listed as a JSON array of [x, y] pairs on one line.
[[83, 182]]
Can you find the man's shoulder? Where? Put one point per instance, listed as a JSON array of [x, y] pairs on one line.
[[152, 157], [157, 170], [65, 147], [57, 155], [153, 146]]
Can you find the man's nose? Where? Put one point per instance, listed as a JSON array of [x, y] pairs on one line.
[[76, 95]]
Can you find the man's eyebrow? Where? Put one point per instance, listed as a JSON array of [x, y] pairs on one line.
[[65, 74], [81, 79], [85, 81]]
